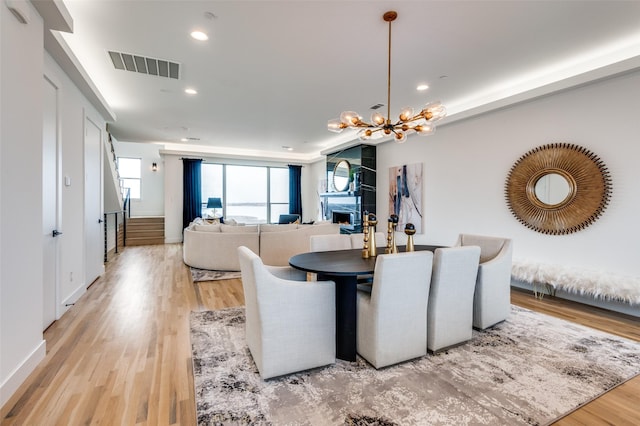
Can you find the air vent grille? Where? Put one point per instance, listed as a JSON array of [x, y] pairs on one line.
[[376, 106], [145, 65]]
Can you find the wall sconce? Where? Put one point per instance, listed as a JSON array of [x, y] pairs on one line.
[[154, 167]]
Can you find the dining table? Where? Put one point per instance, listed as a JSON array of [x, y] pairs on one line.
[[343, 267]]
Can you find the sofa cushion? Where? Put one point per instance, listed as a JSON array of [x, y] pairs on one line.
[[268, 227], [207, 228], [245, 229]]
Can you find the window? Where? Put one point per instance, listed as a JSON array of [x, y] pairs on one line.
[[130, 172], [250, 194]]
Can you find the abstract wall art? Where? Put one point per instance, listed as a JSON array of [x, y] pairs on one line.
[[405, 195]]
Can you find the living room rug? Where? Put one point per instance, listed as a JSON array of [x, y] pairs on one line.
[[531, 369], [198, 275]]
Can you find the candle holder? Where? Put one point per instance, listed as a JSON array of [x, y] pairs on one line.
[[394, 222], [365, 233], [410, 230], [373, 221]]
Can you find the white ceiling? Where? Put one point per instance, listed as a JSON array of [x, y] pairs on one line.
[[273, 72]]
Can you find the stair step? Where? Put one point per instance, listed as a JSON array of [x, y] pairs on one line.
[[158, 226], [154, 233], [143, 241]]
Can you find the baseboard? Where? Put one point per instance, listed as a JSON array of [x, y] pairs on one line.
[[611, 305], [66, 303], [172, 240], [20, 374]]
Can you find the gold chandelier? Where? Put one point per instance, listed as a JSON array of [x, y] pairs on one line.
[[423, 123]]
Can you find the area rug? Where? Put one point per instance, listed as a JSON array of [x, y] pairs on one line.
[[198, 275], [531, 370]]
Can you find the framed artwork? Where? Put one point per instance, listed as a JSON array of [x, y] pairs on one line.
[[405, 195]]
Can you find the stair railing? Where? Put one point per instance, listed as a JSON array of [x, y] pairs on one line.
[[125, 212]]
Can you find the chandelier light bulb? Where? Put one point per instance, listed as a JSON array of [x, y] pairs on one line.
[[425, 129], [335, 125], [401, 137], [406, 114], [378, 119], [350, 118], [435, 110]]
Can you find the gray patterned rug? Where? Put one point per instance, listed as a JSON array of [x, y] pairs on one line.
[[198, 275], [531, 369]]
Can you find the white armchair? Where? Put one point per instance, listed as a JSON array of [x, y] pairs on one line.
[[330, 242], [492, 299], [392, 318], [450, 311], [290, 324]]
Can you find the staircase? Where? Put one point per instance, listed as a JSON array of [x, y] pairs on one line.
[[145, 230]]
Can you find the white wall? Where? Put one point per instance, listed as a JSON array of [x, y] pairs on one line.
[[24, 65], [152, 183], [465, 165], [21, 242], [311, 175]]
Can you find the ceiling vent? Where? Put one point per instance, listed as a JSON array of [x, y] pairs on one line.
[[144, 65], [376, 106]]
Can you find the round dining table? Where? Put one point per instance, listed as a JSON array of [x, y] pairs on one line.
[[343, 267]]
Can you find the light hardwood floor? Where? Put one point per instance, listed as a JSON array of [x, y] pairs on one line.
[[121, 355]]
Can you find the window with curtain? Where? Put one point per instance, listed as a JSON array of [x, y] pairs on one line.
[[250, 194]]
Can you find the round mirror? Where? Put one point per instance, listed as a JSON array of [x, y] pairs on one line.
[[341, 176], [558, 188], [552, 188]]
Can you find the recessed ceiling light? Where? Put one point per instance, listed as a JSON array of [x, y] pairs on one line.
[[184, 140], [288, 148], [422, 87], [199, 35], [190, 91]]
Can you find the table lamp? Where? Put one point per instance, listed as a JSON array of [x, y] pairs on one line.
[[214, 203]]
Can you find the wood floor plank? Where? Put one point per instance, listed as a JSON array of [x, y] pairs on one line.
[[122, 354]]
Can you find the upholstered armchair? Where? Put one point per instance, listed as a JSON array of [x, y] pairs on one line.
[[392, 318], [330, 242], [290, 323], [492, 300], [450, 310]]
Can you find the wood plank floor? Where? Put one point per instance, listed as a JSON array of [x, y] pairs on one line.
[[121, 355]]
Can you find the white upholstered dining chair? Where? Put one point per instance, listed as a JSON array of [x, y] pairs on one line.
[[392, 318], [450, 311], [290, 323], [492, 299], [330, 242]]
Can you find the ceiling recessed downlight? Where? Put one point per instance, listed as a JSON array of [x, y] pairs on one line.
[[190, 91], [184, 140], [199, 35], [422, 87]]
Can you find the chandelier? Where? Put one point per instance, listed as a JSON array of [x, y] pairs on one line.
[[423, 123]]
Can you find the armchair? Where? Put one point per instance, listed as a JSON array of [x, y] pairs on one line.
[[492, 299], [392, 318], [450, 310], [290, 323]]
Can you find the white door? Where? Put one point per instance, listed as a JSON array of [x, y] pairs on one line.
[[50, 204], [94, 235]]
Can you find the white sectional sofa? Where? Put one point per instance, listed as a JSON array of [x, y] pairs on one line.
[[214, 246]]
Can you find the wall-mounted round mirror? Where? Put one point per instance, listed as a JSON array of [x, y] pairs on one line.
[[341, 176], [553, 188], [558, 188]]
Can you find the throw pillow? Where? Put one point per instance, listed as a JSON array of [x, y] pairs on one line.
[[208, 228]]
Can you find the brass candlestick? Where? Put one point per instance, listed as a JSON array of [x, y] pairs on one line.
[[394, 221], [388, 249], [373, 221], [365, 232], [410, 230]]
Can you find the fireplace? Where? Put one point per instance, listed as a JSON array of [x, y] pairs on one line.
[[342, 217]]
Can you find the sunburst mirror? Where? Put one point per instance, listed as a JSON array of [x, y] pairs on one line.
[[558, 188]]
